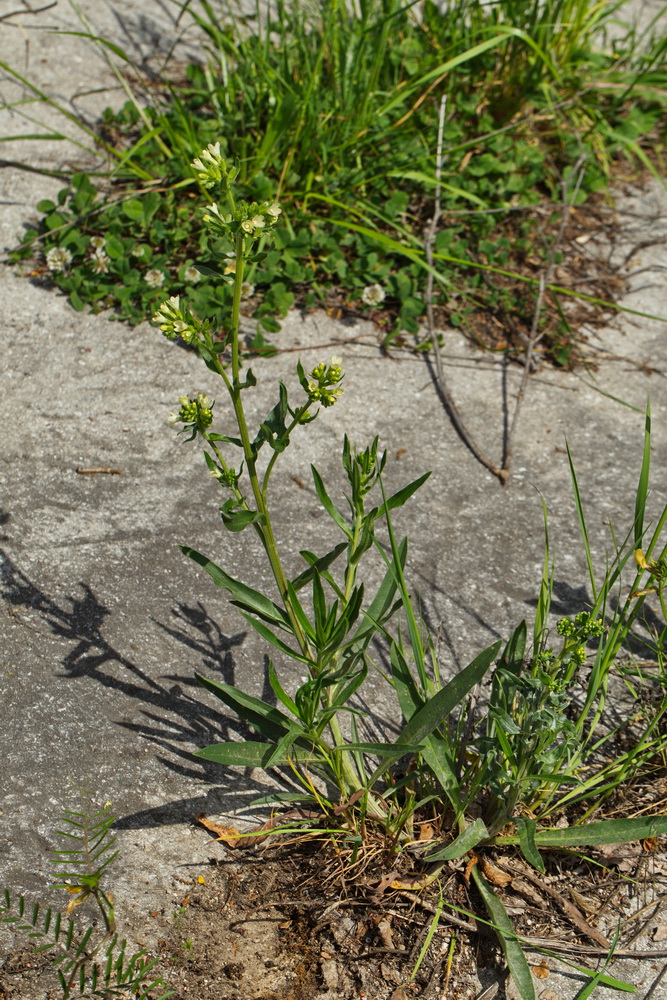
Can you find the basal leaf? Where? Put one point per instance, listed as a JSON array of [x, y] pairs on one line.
[[466, 841], [502, 925]]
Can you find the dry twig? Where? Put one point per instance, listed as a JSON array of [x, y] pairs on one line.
[[446, 395], [545, 279]]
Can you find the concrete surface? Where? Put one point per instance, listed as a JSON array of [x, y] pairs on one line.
[[103, 622]]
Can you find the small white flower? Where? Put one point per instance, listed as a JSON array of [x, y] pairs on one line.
[[274, 210], [138, 251], [373, 295], [230, 267], [58, 259], [191, 274], [247, 226], [154, 277], [258, 222], [212, 153], [246, 289], [97, 242]]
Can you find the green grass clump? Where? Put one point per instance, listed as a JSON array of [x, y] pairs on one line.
[[334, 110]]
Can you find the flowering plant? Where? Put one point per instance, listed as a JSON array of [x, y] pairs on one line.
[[329, 633], [485, 782]]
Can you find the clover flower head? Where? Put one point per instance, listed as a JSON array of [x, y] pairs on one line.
[[154, 277], [58, 259], [100, 261], [138, 251], [373, 295], [247, 289], [191, 274], [97, 242]]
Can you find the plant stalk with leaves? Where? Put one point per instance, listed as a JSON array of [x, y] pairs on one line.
[[330, 633], [487, 782]]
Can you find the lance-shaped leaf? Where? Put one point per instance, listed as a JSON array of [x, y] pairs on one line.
[[399, 498], [244, 597], [473, 835], [502, 925], [267, 720], [328, 503], [252, 754], [435, 711], [317, 565]]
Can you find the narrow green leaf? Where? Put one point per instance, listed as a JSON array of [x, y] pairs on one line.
[[328, 503], [279, 690], [437, 708], [473, 835], [515, 650], [392, 750], [299, 612], [516, 960], [642, 485], [269, 721], [319, 610], [409, 699], [246, 597], [250, 754], [271, 637], [526, 829], [398, 499], [316, 565], [606, 831], [381, 605], [435, 711]]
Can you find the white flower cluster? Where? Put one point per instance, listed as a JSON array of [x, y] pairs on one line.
[[210, 165], [373, 295], [154, 277], [58, 259], [175, 321]]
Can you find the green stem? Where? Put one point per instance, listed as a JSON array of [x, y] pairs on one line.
[[250, 458], [298, 417]]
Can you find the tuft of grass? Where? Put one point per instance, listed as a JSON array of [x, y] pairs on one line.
[[334, 109]]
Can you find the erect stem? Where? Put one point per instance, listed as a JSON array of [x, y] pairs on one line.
[[250, 455]]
